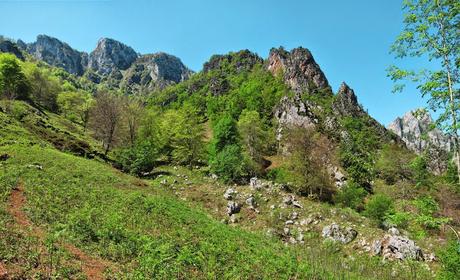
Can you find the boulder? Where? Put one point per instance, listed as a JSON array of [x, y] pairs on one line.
[[233, 207], [339, 234], [397, 247]]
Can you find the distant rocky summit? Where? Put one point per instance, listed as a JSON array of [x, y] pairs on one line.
[[153, 71], [110, 56], [416, 128], [110, 61], [57, 53]]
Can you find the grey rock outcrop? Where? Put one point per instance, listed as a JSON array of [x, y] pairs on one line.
[[416, 129], [397, 247], [10, 47], [155, 71], [57, 53], [111, 56], [339, 234]]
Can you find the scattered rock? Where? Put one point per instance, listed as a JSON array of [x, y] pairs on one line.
[[230, 194], [393, 231], [286, 231], [296, 204], [37, 166], [289, 222], [337, 233], [234, 219], [251, 201], [294, 216], [397, 247], [233, 208], [214, 176], [288, 199]]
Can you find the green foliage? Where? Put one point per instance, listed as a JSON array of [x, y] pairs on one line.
[[230, 164], [431, 33], [44, 86], [393, 164], [75, 105], [254, 138], [357, 151], [399, 219], [351, 195], [309, 152], [420, 171], [13, 82], [449, 258], [427, 207], [378, 207]]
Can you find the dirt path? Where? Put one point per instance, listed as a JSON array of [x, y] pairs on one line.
[[92, 267]]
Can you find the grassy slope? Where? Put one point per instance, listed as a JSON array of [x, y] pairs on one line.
[[144, 230]]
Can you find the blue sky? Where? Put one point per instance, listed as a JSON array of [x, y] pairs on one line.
[[349, 39]]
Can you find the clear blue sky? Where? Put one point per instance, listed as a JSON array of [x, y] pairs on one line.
[[349, 39]]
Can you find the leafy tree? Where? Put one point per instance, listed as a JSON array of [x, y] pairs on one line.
[[44, 86], [226, 156], [254, 136], [357, 151], [13, 82], [133, 111], [393, 164], [431, 32], [187, 140], [310, 153], [420, 172], [76, 105], [106, 118]]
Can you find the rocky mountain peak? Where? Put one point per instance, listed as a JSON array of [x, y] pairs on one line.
[[111, 56], [299, 69], [416, 129], [346, 102], [10, 47], [57, 53], [153, 71]]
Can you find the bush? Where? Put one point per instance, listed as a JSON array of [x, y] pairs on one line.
[[351, 196], [399, 219], [393, 164], [378, 207], [419, 168], [427, 207], [449, 258], [229, 164]]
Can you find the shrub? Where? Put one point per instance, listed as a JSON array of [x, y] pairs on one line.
[[378, 207], [393, 164], [449, 258], [351, 196], [427, 207], [419, 168], [229, 164], [399, 219]]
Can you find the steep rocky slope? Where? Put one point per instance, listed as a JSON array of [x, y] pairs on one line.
[[416, 128], [111, 62]]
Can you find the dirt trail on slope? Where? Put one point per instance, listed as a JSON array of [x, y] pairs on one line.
[[92, 267]]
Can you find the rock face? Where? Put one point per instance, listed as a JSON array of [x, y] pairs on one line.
[[397, 247], [57, 53], [417, 131], [346, 102], [155, 71], [339, 234], [111, 56], [10, 47], [299, 69]]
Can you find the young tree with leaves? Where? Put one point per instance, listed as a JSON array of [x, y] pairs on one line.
[[106, 116], [431, 31], [13, 82]]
